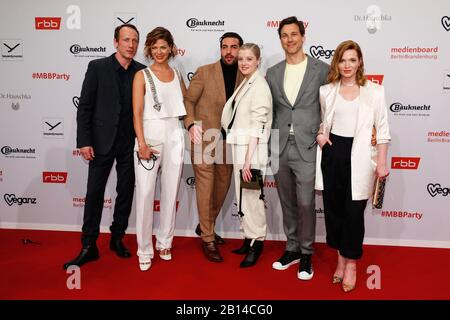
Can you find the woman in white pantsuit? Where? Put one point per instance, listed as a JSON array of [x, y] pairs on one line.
[[247, 118], [157, 108]]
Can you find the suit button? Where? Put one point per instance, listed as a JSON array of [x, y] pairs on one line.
[[289, 124]]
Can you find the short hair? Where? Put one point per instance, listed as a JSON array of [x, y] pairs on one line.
[[231, 35], [291, 20], [253, 47], [118, 28], [155, 35], [334, 75]]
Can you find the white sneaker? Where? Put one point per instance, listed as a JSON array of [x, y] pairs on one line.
[[288, 259]]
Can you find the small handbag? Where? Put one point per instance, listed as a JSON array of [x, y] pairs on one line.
[[155, 145], [257, 182], [378, 193]]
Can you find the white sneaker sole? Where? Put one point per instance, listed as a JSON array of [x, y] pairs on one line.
[[305, 275], [278, 266]]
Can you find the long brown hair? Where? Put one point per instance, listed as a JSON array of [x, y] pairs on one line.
[[334, 75]]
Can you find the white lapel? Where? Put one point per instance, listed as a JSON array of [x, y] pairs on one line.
[[364, 107], [240, 92], [330, 100]]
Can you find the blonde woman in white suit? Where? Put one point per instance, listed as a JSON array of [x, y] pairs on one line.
[[347, 163], [247, 119]]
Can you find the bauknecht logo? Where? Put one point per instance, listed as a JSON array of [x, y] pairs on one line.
[[414, 110], [193, 23], [436, 188], [7, 150], [76, 49]]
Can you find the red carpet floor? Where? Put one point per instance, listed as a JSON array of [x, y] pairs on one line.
[[31, 271]]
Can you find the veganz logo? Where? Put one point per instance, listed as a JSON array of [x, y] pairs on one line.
[[54, 177], [319, 52], [11, 199], [76, 101], [435, 189], [446, 23], [190, 75], [405, 163], [47, 23]]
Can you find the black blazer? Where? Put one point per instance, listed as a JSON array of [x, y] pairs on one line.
[[99, 105]]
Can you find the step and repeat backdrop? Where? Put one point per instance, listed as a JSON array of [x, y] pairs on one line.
[[46, 46]]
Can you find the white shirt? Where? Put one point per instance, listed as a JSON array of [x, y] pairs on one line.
[[169, 95], [293, 78], [345, 117]]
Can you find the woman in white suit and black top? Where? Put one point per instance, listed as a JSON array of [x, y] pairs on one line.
[[247, 118], [346, 160]]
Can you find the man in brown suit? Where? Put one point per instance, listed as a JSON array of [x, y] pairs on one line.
[[208, 91]]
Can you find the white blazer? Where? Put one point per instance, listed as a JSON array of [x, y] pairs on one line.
[[253, 109], [372, 111]]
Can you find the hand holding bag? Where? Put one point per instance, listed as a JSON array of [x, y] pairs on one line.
[[378, 193], [256, 182], [153, 144]]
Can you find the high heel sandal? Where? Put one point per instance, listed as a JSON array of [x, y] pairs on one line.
[[337, 279], [347, 288], [165, 254]]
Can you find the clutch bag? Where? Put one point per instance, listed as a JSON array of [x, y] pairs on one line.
[[378, 193]]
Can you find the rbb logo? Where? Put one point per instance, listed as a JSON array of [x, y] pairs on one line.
[[54, 177], [411, 163], [47, 23], [157, 206], [375, 78]]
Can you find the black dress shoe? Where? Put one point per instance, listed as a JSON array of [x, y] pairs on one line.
[[118, 246], [244, 248], [253, 254], [211, 251], [88, 253], [217, 239]]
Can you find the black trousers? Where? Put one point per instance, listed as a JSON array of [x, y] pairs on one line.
[[99, 170], [344, 217]]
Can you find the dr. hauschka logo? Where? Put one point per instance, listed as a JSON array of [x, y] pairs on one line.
[[435, 189], [195, 24], [319, 52], [50, 76], [22, 153], [446, 81], [87, 52], [438, 136], [79, 202], [76, 101], [11, 199], [375, 78], [373, 18], [445, 21], [399, 109], [190, 181], [54, 177], [415, 52], [121, 18], [53, 127], [411, 163], [47, 23], [276, 23], [15, 105], [12, 49]]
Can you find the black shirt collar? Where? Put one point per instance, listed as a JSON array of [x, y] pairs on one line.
[[117, 65]]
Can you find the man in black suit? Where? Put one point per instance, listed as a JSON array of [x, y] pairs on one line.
[[105, 133]]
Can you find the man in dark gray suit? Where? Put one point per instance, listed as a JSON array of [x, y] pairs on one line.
[[294, 84]]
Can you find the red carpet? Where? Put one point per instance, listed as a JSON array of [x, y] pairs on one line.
[[31, 271]]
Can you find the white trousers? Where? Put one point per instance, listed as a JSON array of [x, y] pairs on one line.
[[169, 164], [253, 222]]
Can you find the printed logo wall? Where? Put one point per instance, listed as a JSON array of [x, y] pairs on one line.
[[44, 57]]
